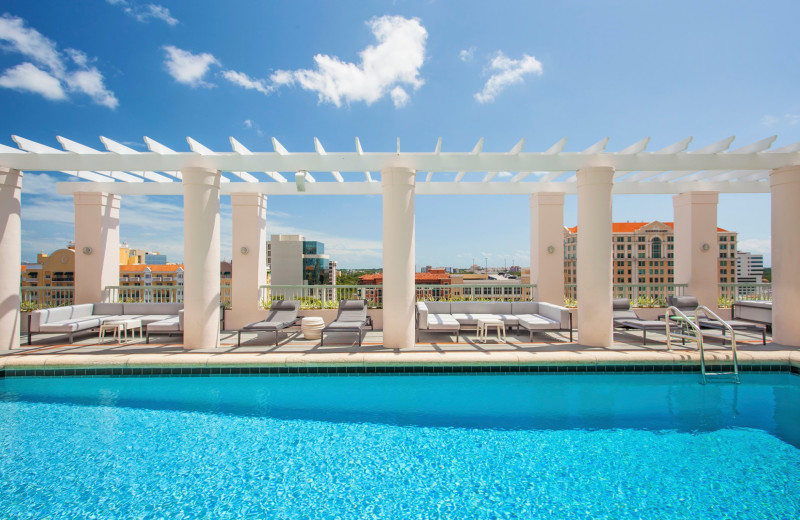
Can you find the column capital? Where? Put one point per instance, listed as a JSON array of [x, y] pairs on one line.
[[595, 175], [248, 199], [10, 177], [398, 175], [546, 198], [197, 175], [96, 199], [695, 197], [784, 175]]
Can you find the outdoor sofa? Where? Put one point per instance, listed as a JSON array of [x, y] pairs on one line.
[[452, 317], [156, 318]]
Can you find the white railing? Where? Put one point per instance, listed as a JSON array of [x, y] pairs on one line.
[[321, 296], [477, 292], [640, 295], [145, 293], [730, 292], [45, 297]]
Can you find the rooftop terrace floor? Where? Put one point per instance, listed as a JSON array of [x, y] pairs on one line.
[[50, 352]]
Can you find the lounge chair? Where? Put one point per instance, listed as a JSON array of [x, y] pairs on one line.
[[625, 318], [352, 317], [282, 314], [689, 306]]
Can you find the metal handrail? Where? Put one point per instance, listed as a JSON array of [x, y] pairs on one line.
[[698, 335], [710, 314]]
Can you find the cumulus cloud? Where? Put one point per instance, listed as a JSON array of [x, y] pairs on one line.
[[507, 72], [145, 13], [396, 59], [244, 81], [188, 68], [48, 73], [466, 54], [28, 77], [785, 119]]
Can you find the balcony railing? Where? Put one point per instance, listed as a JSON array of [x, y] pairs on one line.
[[145, 294], [45, 297], [640, 295], [730, 292], [477, 292]]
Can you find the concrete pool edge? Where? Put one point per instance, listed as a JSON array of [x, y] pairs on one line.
[[526, 361]]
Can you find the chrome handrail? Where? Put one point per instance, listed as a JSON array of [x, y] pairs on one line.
[[698, 335], [710, 314]]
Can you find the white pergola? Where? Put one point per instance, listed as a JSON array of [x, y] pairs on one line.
[[201, 176]]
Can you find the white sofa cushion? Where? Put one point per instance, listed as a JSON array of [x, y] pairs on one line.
[[536, 322], [442, 322]]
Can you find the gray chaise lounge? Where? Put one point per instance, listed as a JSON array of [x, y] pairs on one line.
[[689, 304], [352, 317], [626, 318], [282, 314]]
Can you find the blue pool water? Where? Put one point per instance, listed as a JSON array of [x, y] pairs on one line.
[[491, 446]]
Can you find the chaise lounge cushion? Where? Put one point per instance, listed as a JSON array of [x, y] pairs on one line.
[[537, 322], [442, 322]]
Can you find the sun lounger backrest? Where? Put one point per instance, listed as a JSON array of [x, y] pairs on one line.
[[683, 303], [283, 311], [352, 310]]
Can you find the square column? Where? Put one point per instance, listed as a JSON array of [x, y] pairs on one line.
[[594, 257], [10, 253], [696, 245], [96, 245], [249, 269], [547, 246], [399, 290], [201, 258], [785, 189]]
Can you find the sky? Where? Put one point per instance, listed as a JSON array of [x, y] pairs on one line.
[[413, 70]]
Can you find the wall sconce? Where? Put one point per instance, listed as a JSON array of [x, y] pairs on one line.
[[244, 250], [705, 246], [87, 250], [551, 250]]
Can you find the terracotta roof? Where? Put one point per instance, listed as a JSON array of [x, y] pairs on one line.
[[372, 279], [630, 227], [23, 267], [153, 268]]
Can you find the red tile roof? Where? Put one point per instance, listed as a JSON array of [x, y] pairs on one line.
[[630, 227], [153, 268], [430, 278]]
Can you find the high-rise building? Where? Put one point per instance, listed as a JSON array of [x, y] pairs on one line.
[[293, 260], [644, 253], [749, 267]]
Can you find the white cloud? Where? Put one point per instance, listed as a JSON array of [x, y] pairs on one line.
[[399, 97], [27, 77], [761, 246], [507, 72], [466, 54], [396, 59], [786, 119], [504, 174], [244, 81], [188, 68], [248, 123], [49, 77], [145, 13]]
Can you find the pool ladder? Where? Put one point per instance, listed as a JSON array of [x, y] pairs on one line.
[[697, 336]]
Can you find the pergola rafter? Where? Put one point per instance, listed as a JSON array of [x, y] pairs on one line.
[[673, 169]]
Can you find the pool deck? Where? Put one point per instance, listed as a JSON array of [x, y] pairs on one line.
[[434, 350]]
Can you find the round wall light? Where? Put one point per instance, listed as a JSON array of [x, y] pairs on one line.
[[551, 250], [244, 250], [705, 246], [87, 250]]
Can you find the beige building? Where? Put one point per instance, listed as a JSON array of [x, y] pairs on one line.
[[643, 253]]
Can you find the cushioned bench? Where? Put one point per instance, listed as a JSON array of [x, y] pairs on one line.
[[156, 318], [451, 317]]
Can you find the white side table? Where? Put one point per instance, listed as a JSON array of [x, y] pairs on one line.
[[120, 328], [311, 327], [485, 323]]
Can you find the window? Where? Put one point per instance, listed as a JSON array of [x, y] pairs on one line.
[[656, 247], [640, 239], [641, 255]]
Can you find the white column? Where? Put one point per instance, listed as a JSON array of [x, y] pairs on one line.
[[547, 246], [594, 256], [249, 258], [96, 245], [785, 188], [697, 247], [10, 256], [201, 258], [399, 291]]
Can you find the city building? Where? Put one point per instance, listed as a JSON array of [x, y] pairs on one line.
[[53, 270], [643, 253], [128, 256], [292, 260], [749, 267], [437, 284]]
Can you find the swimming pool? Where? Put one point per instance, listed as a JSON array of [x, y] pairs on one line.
[[455, 446]]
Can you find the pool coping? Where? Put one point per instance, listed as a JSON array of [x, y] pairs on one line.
[[202, 363]]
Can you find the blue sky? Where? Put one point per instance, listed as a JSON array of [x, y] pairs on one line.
[[416, 70]]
